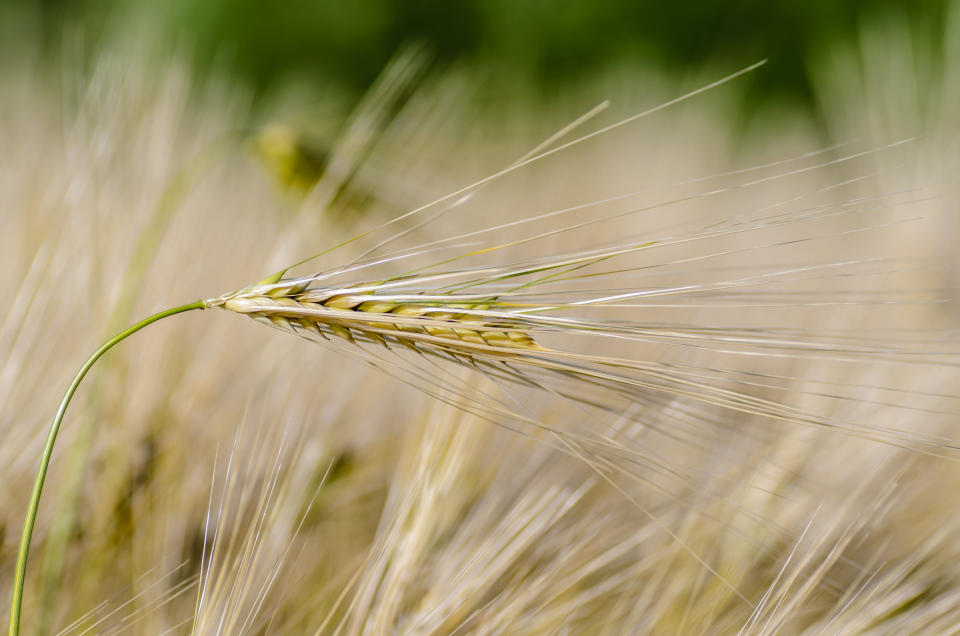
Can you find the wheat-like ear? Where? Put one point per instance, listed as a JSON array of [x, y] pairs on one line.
[[496, 330], [466, 326]]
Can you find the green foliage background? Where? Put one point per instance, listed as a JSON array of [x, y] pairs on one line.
[[344, 45]]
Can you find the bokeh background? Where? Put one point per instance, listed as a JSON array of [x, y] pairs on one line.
[[157, 152]]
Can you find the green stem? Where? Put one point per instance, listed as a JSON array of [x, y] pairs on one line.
[[48, 451]]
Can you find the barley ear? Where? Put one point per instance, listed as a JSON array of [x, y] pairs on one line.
[[31, 517]]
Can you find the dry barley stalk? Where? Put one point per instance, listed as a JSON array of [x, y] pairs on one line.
[[491, 319], [502, 320]]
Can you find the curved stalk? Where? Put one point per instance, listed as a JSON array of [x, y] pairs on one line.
[[31, 518]]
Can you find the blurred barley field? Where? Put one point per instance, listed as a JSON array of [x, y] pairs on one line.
[[783, 459]]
